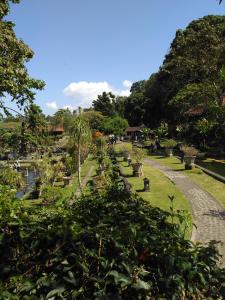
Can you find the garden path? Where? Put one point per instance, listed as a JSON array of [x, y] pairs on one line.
[[85, 180], [208, 214]]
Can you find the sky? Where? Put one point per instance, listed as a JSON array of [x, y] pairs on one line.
[[85, 47]]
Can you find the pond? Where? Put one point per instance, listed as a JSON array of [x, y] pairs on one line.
[[30, 177]]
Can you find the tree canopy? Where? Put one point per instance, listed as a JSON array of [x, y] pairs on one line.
[[15, 81], [105, 103]]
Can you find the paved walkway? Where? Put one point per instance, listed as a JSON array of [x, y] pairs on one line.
[[208, 214]]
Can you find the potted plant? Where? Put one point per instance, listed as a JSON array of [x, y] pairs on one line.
[[126, 153], [138, 156], [189, 156], [169, 144]]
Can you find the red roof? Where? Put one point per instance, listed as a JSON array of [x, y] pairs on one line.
[[52, 128], [195, 111], [135, 129]]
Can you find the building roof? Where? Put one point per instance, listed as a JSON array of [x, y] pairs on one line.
[[195, 111], [52, 128], [135, 129]]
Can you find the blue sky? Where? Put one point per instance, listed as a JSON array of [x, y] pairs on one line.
[[83, 47]]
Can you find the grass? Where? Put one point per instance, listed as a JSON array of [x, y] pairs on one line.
[[10, 125], [160, 190], [214, 165], [89, 162], [208, 183], [70, 190]]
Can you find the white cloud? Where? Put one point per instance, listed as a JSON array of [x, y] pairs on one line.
[[124, 93], [52, 105], [70, 107], [84, 92], [127, 84]]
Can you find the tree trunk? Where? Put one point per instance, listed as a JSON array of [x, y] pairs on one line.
[[79, 170]]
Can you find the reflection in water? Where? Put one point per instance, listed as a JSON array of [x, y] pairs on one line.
[[30, 177]]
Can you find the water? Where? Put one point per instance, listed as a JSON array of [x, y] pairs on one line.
[[30, 177]]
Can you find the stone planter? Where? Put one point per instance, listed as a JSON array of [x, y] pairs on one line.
[[189, 162], [169, 152], [137, 169], [126, 155], [67, 180]]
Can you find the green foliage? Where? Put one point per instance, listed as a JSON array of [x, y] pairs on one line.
[[100, 143], [138, 154], [14, 54], [189, 150], [194, 95], [50, 171], [63, 117], [162, 130], [52, 194], [135, 108], [108, 246], [105, 104], [115, 125], [190, 71], [11, 178], [94, 118], [80, 137], [204, 126], [169, 143]]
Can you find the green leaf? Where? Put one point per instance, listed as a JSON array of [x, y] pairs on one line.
[[55, 292]]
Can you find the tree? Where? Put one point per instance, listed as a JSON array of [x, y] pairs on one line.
[[35, 119], [195, 57], [63, 117], [11, 178], [115, 125], [15, 81], [134, 110], [80, 137], [138, 87], [105, 104], [94, 118]]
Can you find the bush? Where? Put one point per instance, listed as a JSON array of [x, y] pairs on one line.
[[108, 246], [189, 151], [51, 194], [170, 143]]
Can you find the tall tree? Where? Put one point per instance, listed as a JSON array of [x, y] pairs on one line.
[[15, 81], [196, 56], [80, 137], [134, 110], [105, 103], [115, 125], [63, 117], [34, 119]]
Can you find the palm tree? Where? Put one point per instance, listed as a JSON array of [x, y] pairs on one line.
[[80, 134]]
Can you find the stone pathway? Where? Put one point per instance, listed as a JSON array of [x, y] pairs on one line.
[[208, 214]]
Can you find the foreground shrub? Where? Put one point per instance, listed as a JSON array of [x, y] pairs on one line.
[[108, 246]]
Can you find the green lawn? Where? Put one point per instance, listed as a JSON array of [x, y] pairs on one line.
[[89, 162], [214, 165], [160, 190], [208, 183]]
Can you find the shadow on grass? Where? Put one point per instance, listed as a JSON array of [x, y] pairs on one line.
[[128, 175], [141, 191]]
